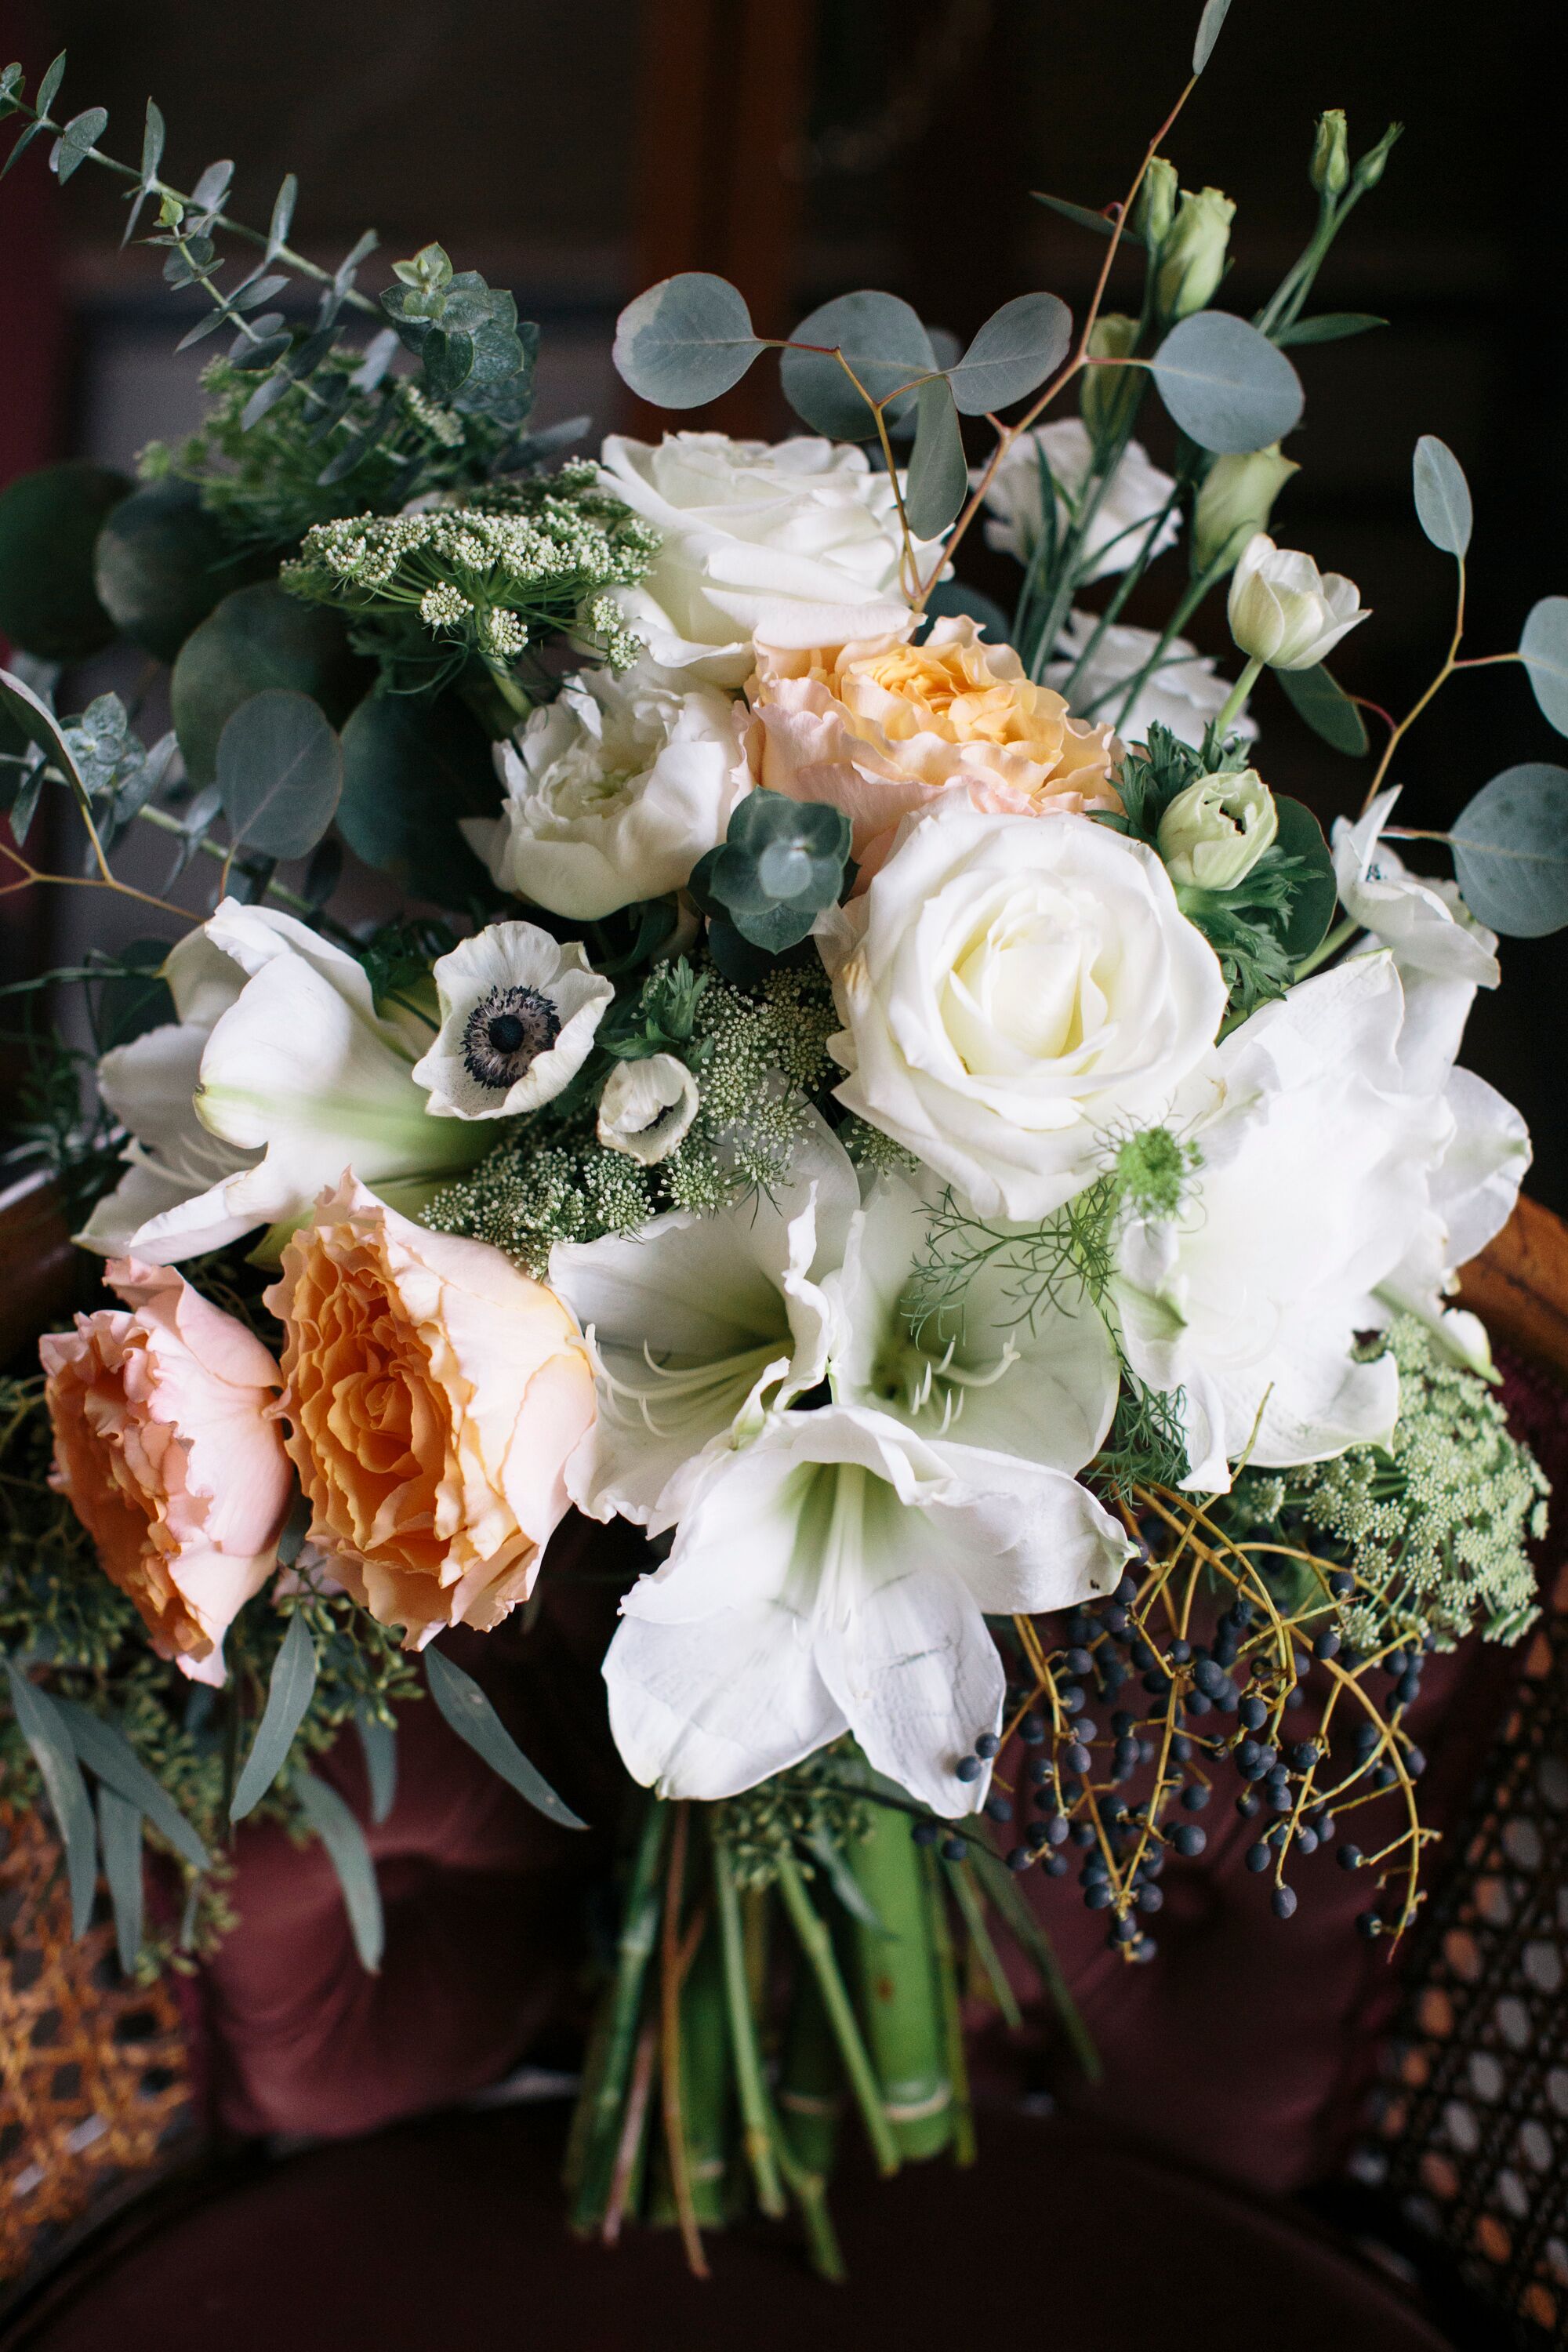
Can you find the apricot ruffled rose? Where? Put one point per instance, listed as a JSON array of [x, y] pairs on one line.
[[433, 1396], [167, 1448], [882, 729]]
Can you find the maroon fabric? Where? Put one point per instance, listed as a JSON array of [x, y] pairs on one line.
[[30, 311], [451, 2234]]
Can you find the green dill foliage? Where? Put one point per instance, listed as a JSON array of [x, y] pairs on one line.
[[425, 592], [803, 1813], [1433, 1528]]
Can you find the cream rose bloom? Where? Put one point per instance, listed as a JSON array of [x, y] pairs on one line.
[[168, 1450], [433, 1397], [797, 541], [883, 729], [613, 792], [1011, 994]]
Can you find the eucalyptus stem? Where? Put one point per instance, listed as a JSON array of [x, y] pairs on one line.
[[818, 1946], [749, 2077]]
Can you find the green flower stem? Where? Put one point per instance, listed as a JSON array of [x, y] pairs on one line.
[[973, 1910], [895, 1978], [1124, 587], [1340, 937], [708, 2075], [749, 2077], [810, 2193], [811, 2087], [818, 1946], [964, 2149], [597, 2130], [1027, 1930], [1239, 692]]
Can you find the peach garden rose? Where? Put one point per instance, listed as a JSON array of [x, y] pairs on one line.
[[167, 1446], [433, 1397]]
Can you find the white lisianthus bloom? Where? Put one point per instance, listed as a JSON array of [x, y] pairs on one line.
[[796, 542], [1426, 922], [698, 1324], [647, 1107], [1284, 611], [518, 1015], [1012, 989], [832, 1577], [280, 1071], [1183, 693], [1135, 495], [1042, 1385], [613, 792]]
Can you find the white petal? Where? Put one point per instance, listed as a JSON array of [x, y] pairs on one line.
[[705, 1710]]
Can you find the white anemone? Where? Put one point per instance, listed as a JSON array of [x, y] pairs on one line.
[[518, 1015]]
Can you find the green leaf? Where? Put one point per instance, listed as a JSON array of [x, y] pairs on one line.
[[1328, 327], [289, 1691], [474, 1719], [335, 1825], [208, 195], [1510, 851], [160, 564], [48, 88], [151, 156], [282, 220], [120, 1841], [1018, 348], [135, 997], [50, 522], [38, 725], [845, 1886], [41, 1726], [1209, 26], [939, 473], [75, 142], [882, 341], [280, 773], [1084, 217], [956, 597], [106, 1752], [412, 769], [257, 637], [1544, 649], [1312, 907], [1326, 708], [1226, 384], [685, 341], [378, 1744], [1442, 496]]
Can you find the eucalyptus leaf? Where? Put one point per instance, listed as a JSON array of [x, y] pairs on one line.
[[279, 773], [40, 1721], [38, 724], [160, 564], [50, 522], [77, 141], [1084, 218], [378, 1745], [135, 997], [950, 597], [48, 88], [120, 1841], [1209, 26], [1018, 348], [1442, 496], [1312, 910], [153, 134], [208, 196], [1326, 708], [1510, 851], [282, 220], [881, 340], [256, 638], [413, 768], [939, 473], [289, 1691], [1328, 327], [106, 1752], [1226, 384], [1544, 649], [686, 340], [343, 1839], [475, 1720]]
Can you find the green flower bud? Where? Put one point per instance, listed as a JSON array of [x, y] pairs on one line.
[[1155, 205], [1213, 834], [1192, 260], [1234, 502], [1107, 395], [1331, 168], [1283, 610], [1370, 170]]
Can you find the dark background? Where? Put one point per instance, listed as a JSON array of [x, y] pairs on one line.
[[576, 149]]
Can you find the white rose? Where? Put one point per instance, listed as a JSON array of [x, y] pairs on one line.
[[613, 792], [1132, 498], [1012, 989], [1284, 611], [1183, 694], [795, 541]]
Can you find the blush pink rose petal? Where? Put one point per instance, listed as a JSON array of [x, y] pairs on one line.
[[168, 1449]]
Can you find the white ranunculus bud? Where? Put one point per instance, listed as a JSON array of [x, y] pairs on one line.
[[1284, 611], [1213, 834], [1192, 260], [1235, 503], [647, 1108]]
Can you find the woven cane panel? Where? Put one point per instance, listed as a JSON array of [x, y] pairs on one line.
[[93, 2079]]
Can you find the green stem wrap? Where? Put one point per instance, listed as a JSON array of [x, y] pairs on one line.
[[894, 1975]]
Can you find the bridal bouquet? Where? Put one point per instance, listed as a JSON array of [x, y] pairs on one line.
[[704, 1019]]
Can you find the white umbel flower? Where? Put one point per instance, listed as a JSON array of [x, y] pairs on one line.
[[518, 1015], [647, 1108]]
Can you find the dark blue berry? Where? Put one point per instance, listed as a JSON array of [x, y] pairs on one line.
[[1342, 1584], [1283, 1900], [1369, 1925], [1077, 1756], [1306, 1839], [1254, 1714], [1071, 1699], [1056, 1830], [1327, 1644], [1195, 1798], [1349, 1857], [968, 1767], [1259, 1857], [1127, 1589], [1031, 1731], [1020, 1858], [1408, 1688], [985, 1746], [1304, 1755], [1247, 1805], [1198, 1703], [1083, 1833], [1055, 1865], [925, 1832], [1414, 1762], [1039, 1770], [998, 1808], [1182, 1747], [954, 1849], [1096, 1895], [1190, 1838]]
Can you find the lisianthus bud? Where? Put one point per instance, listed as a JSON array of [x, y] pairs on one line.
[[1370, 170], [1213, 834], [1284, 611], [1106, 395], [1192, 260], [1331, 169], [1233, 504], [1155, 207]]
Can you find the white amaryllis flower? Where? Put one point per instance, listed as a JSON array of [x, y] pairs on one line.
[[698, 1323], [1136, 492], [832, 1577], [1426, 922], [1036, 1378], [1013, 988], [1182, 692], [796, 542], [647, 1108], [518, 1015], [614, 791], [280, 1071], [1284, 611]]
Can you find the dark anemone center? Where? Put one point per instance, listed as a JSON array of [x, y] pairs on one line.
[[506, 1033]]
